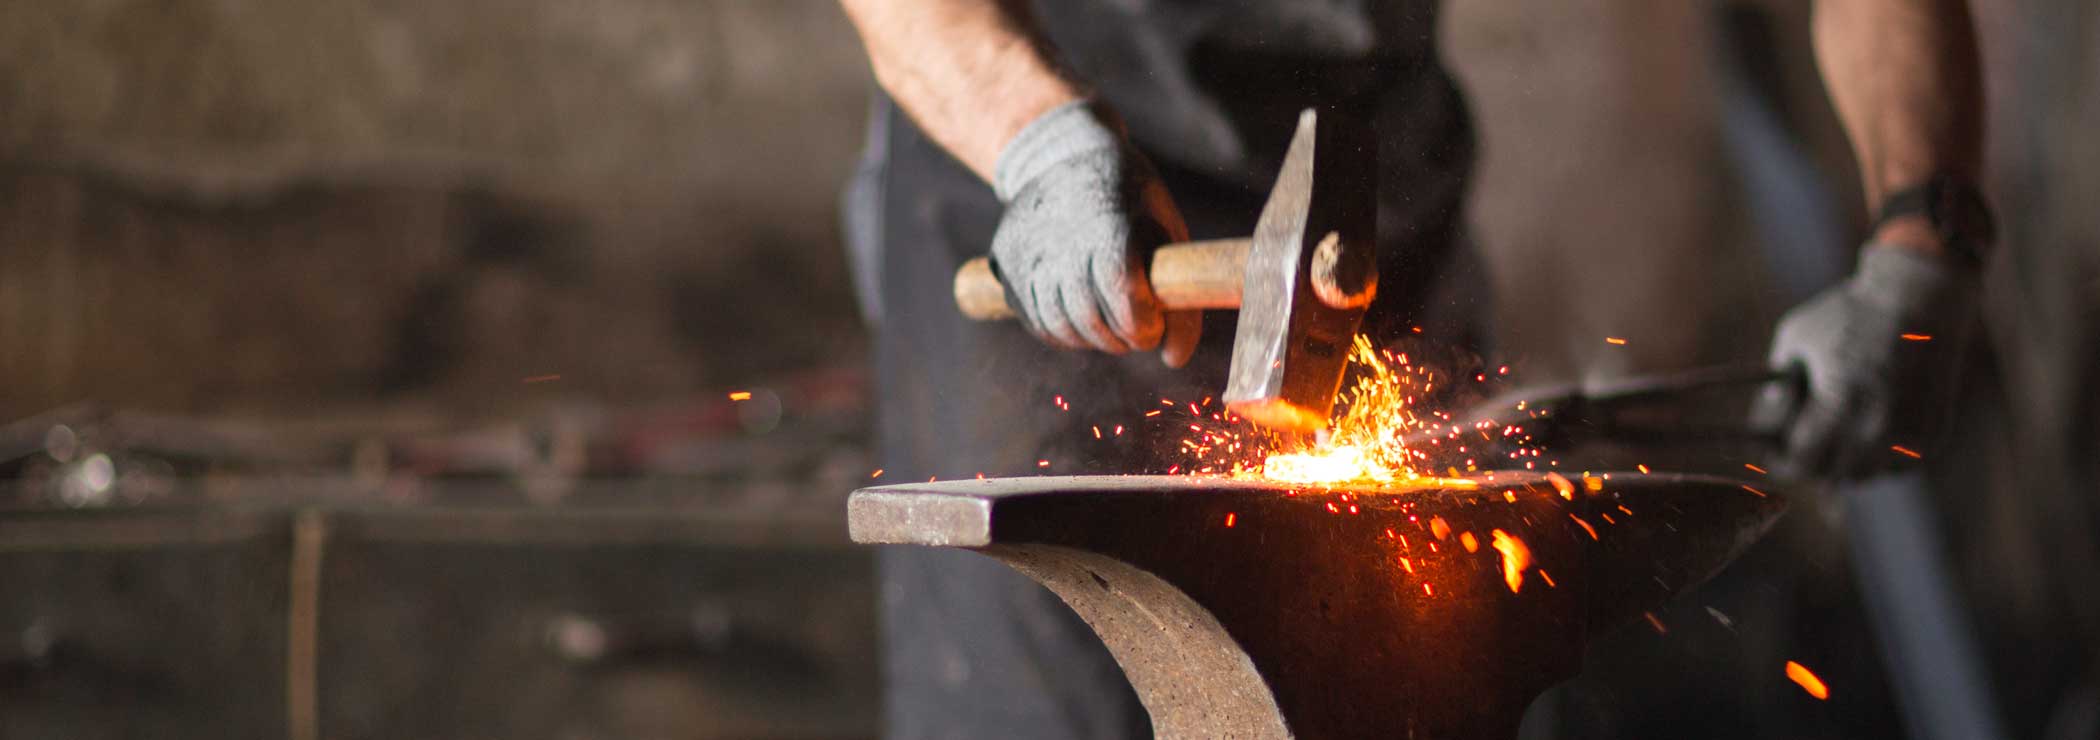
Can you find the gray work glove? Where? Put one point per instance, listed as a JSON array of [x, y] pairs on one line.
[[1869, 389], [1084, 211]]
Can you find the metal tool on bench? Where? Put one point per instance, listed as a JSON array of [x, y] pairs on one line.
[[1237, 610], [1301, 282]]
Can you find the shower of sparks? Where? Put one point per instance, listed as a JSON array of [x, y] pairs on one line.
[[1807, 680], [1387, 440]]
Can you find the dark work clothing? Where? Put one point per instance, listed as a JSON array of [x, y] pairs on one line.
[[973, 649]]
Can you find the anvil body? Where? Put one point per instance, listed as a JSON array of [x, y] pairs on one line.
[[1253, 610]]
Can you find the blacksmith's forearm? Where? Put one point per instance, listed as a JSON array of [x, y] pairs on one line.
[[972, 73], [1905, 79]]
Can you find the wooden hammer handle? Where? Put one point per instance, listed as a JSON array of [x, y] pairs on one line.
[[1185, 276]]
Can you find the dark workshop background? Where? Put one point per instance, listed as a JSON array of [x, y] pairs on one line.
[[363, 363]]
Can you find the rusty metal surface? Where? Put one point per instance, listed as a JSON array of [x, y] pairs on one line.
[[1244, 609]]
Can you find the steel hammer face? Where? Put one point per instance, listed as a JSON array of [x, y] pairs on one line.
[[1311, 271]]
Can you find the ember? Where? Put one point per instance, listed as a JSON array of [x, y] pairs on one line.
[[1515, 558], [1807, 680]]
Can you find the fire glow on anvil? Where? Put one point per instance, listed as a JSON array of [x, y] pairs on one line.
[[1247, 608]]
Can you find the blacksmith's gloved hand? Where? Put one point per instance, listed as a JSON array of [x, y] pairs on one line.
[[1880, 354], [1084, 211]]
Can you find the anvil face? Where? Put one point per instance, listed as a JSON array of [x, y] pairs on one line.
[[1249, 609]]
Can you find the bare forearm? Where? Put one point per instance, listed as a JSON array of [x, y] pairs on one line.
[[1904, 77], [970, 72]]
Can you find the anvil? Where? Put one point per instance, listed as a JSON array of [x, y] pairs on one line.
[[1250, 609]]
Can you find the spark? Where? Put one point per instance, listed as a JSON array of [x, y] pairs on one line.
[[1754, 469], [1097, 432], [1042, 463], [740, 396], [1917, 337], [1407, 565], [1472, 545], [540, 379], [1231, 517], [1807, 680], [876, 474], [1515, 558], [1906, 452], [1547, 578], [1656, 623], [1439, 528], [1642, 468], [1760, 494], [1614, 340], [1585, 526], [1563, 485]]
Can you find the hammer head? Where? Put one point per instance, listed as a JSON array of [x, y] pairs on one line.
[[1311, 271]]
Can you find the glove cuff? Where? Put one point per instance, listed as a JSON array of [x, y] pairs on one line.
[[1906, 277], [1066, 131]]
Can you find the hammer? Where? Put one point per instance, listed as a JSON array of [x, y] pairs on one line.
[[1301, 282]]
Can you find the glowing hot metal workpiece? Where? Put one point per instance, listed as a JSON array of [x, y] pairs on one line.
[[1248, 609]]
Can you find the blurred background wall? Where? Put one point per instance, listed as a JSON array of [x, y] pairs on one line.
[[472, 212], [290, 204]]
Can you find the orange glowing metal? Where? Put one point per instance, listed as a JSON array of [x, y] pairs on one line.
[[1807, 680], [1364, 444], [1515, 558]]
